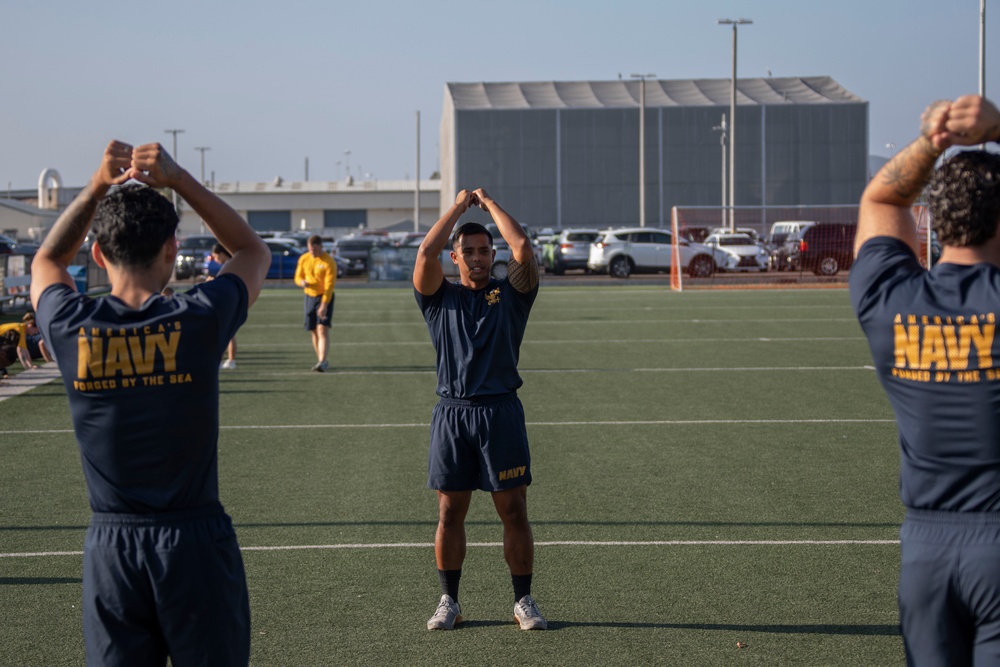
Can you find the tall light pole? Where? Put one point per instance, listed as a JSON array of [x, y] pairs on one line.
[[642, 145], [982, 47], [202, 149], [732, 123], [416, 189], [722, 141], [174, 155]]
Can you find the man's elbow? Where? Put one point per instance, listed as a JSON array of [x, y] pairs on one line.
[[43, 258], [426, 253], [521, 249]]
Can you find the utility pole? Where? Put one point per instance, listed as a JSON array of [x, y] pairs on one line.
[[722, 140], [174, 155], [732, 123], [202, 149], [416, 187], [642, 145]]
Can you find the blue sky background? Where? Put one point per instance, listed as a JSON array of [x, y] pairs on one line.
[[267, 84]]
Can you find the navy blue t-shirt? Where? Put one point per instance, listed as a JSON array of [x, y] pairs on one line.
[[477, 335], [932, 336], [143, 387]]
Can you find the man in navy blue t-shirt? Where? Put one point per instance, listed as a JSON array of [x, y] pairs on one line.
[[162, 571], [478, 434], [933, 339]]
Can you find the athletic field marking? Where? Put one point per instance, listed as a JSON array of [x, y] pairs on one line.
[[526, 371], [28, 380], [493, 545], [657, 422], [589, 341], [541, 322]]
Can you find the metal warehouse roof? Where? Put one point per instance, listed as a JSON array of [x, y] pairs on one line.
[[280, 186], [659, 93]]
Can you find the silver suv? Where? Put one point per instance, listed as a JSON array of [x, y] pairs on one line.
[[570, 249], [622, 252]]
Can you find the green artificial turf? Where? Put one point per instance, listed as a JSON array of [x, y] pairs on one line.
[[694, 456]]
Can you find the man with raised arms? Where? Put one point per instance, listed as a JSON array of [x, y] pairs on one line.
[[162, 571], [478, 434], [932, 337]]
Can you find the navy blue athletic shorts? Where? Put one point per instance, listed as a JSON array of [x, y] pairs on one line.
[[165, 584], [949, 588], [312, 304], [478, 444]]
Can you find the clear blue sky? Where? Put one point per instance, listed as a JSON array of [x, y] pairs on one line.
[[267, 84]]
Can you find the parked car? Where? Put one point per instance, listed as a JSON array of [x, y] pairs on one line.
[[622, 252], [827, 248], [356, 250], [284, 260], [298, 239], [738, 252], [191, 254], [570, 249], [749, 231], [9, 246], [784, 243], [503, 250], [410, 240], [695, 234]]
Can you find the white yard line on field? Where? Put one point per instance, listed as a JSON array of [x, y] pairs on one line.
[[590, 341], [561, 543], [644, 422]]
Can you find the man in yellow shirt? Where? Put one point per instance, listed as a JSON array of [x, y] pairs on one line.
[[316, 273]]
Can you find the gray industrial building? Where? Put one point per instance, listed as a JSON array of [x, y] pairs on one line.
[[559, 154]]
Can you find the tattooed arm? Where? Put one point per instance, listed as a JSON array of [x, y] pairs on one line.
[[887, 201], [62, 243]]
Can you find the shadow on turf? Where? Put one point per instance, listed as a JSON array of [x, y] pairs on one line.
[[866, 630], [31, 581]]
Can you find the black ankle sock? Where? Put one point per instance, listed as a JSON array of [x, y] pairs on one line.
[[522, 585], [449, 582]]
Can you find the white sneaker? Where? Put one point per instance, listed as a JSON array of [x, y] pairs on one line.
[[527, 615], [229, 364], [447, 615]]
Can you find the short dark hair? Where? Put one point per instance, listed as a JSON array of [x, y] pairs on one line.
[[315, 239], [219, 249], [469, 229], [132, 223], [964, 198]]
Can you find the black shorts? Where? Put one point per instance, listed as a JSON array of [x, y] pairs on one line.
[[949, 587], [159, 584], [478, 444], [312, 304]]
